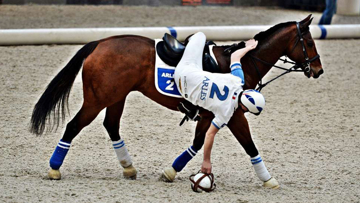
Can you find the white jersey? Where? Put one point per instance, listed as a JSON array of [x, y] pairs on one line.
[[215, 92]]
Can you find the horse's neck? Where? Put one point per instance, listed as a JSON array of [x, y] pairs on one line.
[[268, 51], [271, 51]]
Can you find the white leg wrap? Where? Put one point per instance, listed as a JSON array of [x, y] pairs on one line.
[[260, 168], [122, 153]]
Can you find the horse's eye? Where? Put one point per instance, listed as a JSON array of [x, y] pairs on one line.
[[310, 43]]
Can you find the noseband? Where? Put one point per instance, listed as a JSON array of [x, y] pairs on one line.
[[304, 66]]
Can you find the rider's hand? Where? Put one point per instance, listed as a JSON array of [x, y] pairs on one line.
[[238, 54], [251, 44], [206, 167]]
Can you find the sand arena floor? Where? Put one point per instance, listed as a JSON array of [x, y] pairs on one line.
[[308, 135]]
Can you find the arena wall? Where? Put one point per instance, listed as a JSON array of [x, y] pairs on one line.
[[220, 33], [144, 2], [34, 1]]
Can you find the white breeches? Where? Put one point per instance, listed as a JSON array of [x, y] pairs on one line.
[[191, 60]]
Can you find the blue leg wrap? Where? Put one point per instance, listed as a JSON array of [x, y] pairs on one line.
[[59, 154], [181, 161]]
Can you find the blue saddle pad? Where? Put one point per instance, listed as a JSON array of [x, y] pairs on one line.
[[165, 82], [164, 78]]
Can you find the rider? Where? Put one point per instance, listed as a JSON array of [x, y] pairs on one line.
[[221, 94]]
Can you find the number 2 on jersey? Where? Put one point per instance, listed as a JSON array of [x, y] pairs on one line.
[[215, 90]]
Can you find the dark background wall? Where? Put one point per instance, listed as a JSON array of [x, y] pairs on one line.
[[34, 1], [294, 4], [176, 2]]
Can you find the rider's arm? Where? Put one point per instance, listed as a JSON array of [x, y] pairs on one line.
[[209, 140], [237, 55], [237, 71]]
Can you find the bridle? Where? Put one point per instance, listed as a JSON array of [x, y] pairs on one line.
[[304, 66]]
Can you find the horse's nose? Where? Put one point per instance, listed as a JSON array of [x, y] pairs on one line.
[[317, 75]]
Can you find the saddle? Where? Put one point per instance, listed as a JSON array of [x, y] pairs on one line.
[[170, 50]]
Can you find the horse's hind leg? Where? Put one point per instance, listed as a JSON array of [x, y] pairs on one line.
[[112, 125], [83, 118]]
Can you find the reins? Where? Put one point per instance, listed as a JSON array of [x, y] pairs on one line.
[[260, 84], [304, 65]]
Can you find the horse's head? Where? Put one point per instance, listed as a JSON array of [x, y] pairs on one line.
[[302, 49]]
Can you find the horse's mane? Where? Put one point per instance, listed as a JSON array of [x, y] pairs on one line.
[[265, 34]]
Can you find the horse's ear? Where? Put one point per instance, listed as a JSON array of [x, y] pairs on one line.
[[306, 19], [305, 24]]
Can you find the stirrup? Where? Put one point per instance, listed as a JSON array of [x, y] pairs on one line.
[[191, 112]]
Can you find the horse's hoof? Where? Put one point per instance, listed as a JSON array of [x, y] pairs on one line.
[[272, 183], [54, 174], [168, 174], [130, 172]]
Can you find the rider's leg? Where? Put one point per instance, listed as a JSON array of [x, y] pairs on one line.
[[194, 51], [191, 59]]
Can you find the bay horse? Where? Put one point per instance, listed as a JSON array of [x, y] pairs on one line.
[[115, 66]]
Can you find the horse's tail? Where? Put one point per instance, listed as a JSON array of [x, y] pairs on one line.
[[56, 96]]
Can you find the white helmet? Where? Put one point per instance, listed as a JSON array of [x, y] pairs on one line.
[[253, 100]]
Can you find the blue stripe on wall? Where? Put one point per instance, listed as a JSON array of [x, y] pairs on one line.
[[172, 31], [323, 32]]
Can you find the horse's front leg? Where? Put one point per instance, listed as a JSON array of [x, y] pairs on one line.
[[180, 162], [239, 126]]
